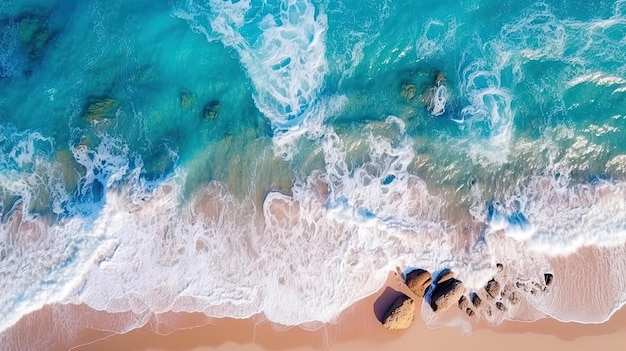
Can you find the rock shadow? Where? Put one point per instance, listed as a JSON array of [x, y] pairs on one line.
[[386, 299]]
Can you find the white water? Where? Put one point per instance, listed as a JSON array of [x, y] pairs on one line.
[[298, 259], [281, 47]]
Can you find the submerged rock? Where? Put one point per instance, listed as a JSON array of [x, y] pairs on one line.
[[492, 288], [100, 110], [408, 91], [548, 278], [418, 281], [212, 109], [34, 34], [446, 294], [187, 99], [400, 314]]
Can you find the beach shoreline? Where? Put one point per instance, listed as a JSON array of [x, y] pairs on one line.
[[358, 327]]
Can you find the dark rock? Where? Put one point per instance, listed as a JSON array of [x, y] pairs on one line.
[[212, 109], [408, 91], [476, 300], [400, 314], [548, 278], [418, 281], [492, 288], [500, 267], [446, 294], [463, 302], [469, 312], [501, 306]]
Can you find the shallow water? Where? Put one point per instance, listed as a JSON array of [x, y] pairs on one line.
[[281, 157]]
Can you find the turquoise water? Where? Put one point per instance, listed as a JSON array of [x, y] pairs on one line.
[[239, 157]]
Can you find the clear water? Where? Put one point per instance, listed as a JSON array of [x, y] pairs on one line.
[[244, 157]]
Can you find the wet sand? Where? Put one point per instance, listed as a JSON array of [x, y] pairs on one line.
[[358, 328]]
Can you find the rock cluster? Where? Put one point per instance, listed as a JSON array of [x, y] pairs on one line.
[[498, 296], [534, 287], [441, 293], [442, 290]]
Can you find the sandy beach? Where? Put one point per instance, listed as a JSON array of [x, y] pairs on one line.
[[357, 329]]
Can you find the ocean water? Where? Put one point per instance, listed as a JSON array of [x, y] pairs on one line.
[[281, 157]]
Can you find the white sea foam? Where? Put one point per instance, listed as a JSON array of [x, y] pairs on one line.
[[590, 49], [359, 28], [25, 172], [299, 259], [281, 47], [597, 78], [10, 64], [436, 37], [554, 217], [490, 105], [437, 104], [44, 260], [312, 126], [537, 34], [621, 89]]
